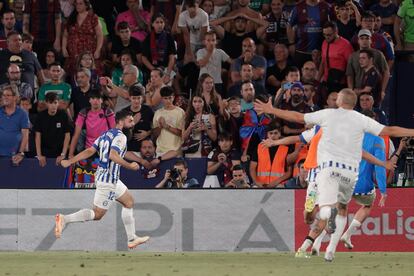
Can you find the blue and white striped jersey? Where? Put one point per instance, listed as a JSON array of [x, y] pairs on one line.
[[108, 170]]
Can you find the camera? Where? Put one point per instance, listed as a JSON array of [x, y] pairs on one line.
[[174, 173], [410, 144]]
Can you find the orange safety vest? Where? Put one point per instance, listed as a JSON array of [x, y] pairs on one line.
[[302, 155], [311, 161], [268, 171]]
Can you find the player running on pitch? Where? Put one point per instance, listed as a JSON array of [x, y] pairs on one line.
[[111, 147], [338, 155]]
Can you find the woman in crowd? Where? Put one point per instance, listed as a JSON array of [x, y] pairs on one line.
[[86, 60], [200, 130], [205, 88], [152, 91], [83, 32]]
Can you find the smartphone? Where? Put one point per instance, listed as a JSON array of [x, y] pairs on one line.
[[287, 86], [103, 81]]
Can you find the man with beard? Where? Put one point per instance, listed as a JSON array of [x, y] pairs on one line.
[[244, 9], [296, 103], [149, 159], [246, 74]]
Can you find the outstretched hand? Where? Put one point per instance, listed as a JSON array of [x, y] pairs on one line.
[[261, 107]]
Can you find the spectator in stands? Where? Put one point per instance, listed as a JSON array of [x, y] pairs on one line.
[[42, 19], [249, 56], [296, 103], [178, 177], [14, 127], [119, 96], [200, 129], [193, 23], [331, 101], [355, 73], [51, 56], [91, 123], [62, 89], [240, 179], [305, 29], [231, 41], [80, 93], [222, 159], [148, 159], [170, 10], [207, 90], [283, 94], [278, 19], [210, 59], [277, 73], [26, 105], [309, 93], [137, 18], [124, 41], [269, 166], [22, 89], [78, 38], [168, 123], [246, 75], [27, 43], [378, 41], [152, 91], [371, 81], [245, 10], [208, 7], [87, 61], [300, 181], [387, 10], [27, 61], [232, 120], [335, 54], [404, 27], [366, 102], [143, 116], [347, 26], [8, 24], [126, 58], [52, 131], [158, 48]]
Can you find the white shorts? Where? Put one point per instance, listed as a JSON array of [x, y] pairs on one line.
[[335, 185], [106, 193]]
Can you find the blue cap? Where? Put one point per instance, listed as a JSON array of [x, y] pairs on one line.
[[297, 84]]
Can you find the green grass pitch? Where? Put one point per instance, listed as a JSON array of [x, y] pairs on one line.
[[61, 263]]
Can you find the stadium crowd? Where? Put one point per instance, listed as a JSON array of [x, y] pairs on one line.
[[189, 72]]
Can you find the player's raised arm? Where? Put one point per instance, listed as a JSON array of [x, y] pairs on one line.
[[396, 131], [114, 156], [80, 156], [289, 140], [291, 116]]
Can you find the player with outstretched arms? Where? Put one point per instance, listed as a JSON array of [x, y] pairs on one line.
[[111, 147], [338, 156]]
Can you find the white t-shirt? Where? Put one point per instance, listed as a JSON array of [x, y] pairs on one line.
[[167, 141], [343, 132], [213, 67], [194, 25]]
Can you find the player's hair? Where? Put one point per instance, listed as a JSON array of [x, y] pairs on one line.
[[51, 97], [167, 91], [121, 115], [349, 97]]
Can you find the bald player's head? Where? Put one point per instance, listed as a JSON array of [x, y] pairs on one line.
[[347, 98]]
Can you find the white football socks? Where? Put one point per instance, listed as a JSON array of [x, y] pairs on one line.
[[129, 222], [352, 227], [79, 216], [340, 226]]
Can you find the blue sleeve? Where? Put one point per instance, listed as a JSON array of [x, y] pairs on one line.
[[380, 173], [293, 18], [302, 139], [389, 50]]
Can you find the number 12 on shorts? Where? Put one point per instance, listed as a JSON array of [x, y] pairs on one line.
[[111, 196]]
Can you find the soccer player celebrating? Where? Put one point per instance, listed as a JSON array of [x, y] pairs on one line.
[[111, 146], [339, 154]]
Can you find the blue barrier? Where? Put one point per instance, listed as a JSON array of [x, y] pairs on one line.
[[29, 175]]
